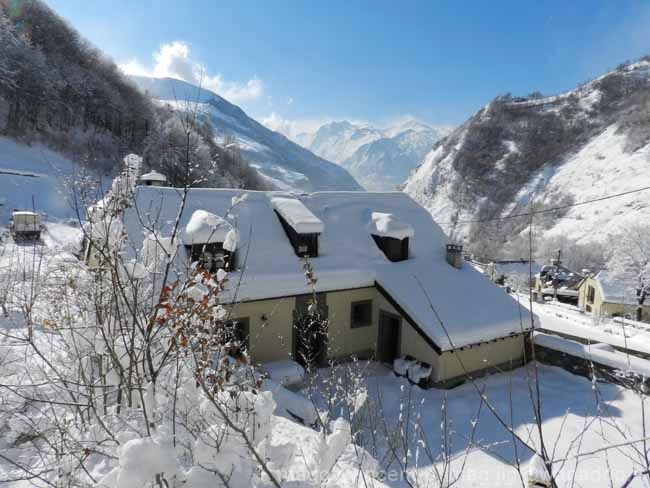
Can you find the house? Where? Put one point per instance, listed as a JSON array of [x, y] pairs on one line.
[[384, 281], [609, 294], [557, 281]]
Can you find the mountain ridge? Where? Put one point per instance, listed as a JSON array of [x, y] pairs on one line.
[[283, 162], [379, 158], [520, 153]]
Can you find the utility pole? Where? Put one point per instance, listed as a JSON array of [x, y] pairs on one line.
[[556, 280]]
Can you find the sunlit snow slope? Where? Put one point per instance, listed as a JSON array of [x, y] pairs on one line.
[[35, 177], [542, 152]]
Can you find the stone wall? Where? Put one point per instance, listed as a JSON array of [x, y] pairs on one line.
[[588, 369]]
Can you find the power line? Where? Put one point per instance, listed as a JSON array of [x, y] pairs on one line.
[[546, 210]]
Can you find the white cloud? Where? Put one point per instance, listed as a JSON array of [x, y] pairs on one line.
[[292, 128], [174, 60], [133, 67]]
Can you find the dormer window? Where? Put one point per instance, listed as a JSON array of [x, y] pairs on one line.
[[300, 224], [211, 256], [394, 249], [211, 242], [391, 235]]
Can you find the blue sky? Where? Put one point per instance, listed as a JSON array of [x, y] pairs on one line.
[[302, 62]]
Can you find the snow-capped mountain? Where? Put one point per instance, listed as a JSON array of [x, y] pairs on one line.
[[337, 141], [379, 159], [516, 154], [286, 164]]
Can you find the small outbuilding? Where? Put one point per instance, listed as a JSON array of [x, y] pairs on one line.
[[25, 225], [153, 179]]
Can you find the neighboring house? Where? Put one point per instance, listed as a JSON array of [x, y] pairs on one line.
[[555, 280], [384, 279], [609, 294]]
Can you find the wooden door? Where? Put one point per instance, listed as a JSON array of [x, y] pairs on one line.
[[388, 340]]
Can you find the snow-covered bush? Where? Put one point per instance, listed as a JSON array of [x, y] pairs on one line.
[[129, 373]]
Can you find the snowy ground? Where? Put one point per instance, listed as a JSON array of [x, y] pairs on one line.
[[35, 274], [399, 421], [51, 260], [33, 177], [582, 176], [570, 406]]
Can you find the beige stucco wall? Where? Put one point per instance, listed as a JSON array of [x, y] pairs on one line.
[[485, 355], [272, 340], [413, 345], [582, 296], [582, 293], [269, 340], [343, 339]]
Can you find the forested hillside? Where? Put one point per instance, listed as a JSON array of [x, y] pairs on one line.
[[519, 154], [59, 90]]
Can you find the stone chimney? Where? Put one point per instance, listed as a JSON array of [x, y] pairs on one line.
[[455, 255]]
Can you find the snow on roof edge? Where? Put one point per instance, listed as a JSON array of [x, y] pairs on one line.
[[297, 215], [153, 176], [205, 228], [387, 225]]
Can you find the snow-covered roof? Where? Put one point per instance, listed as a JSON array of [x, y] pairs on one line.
[[297, 215], [471, 307], [24, 213], [204, 228], [617, 287], [153, 176], [387, 225], [564, 276], [564, 291]]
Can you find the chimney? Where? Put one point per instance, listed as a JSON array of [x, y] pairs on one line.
[[455, 255]]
